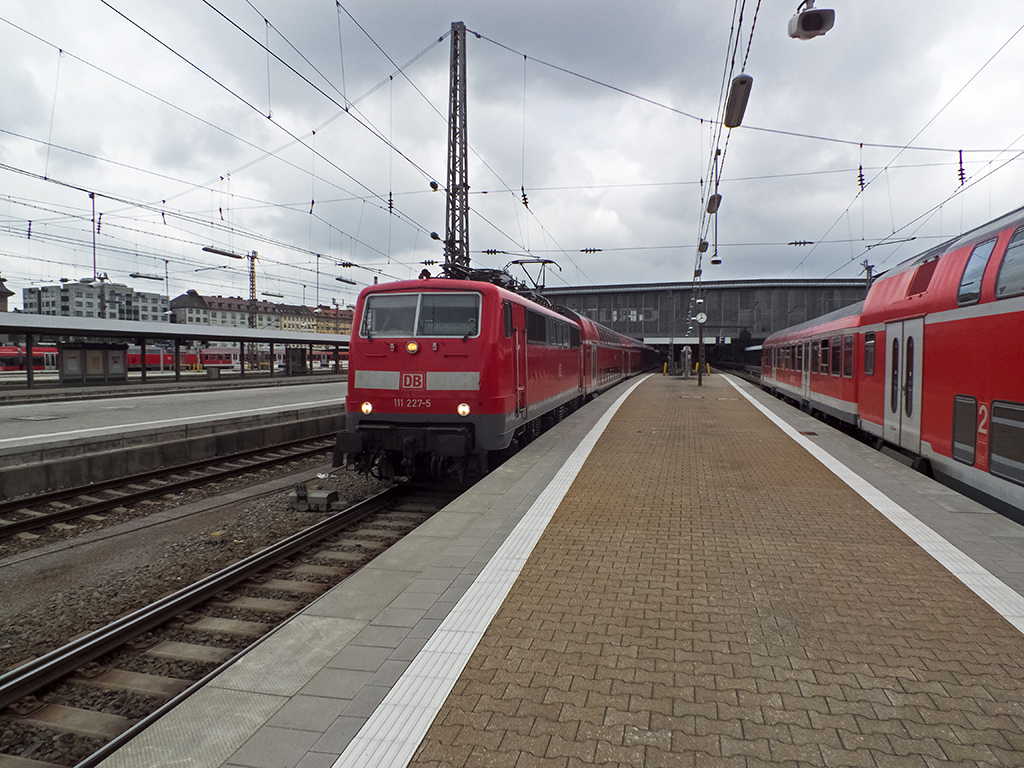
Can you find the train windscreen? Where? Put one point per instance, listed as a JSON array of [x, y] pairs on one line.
[[421, 315]]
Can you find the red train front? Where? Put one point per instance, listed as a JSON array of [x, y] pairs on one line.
[[446, 375]]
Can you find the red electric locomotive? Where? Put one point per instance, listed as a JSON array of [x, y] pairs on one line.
[[445, 374], [932, 362]]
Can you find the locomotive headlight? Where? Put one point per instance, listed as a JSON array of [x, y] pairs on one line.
[[366, 408], [463, 409], [412, 347]]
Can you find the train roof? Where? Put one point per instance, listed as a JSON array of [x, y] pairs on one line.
[[976, 235], [852, 310]]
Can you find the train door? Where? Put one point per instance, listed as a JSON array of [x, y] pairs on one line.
[[805, 371], [904, 353], [519, 342]]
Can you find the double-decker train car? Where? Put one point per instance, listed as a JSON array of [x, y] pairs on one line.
[[446, 375], [931, 363]]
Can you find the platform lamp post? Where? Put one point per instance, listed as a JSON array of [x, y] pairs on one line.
[[251, 256]]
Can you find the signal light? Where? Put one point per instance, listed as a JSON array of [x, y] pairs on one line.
[[412, 347], [366, 408], [463, 409]]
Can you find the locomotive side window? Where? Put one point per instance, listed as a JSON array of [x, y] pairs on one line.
[[1010, 280], [848, 356], [507, 309], [837, 355], [970, 283], [965, 428], [536, 327], [1006, 441], [869, 353]]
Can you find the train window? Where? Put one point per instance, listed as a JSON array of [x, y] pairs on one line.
[[837, 355], [824, 357], [389, 315], [869, 353], [536, 327], [427, 314], [922, 277], [908, 392], [507, 309], [970, 284], [1010, 280], [449, 314], [1006, 441], [815, 358], [894, 383], [965, 428], [799, 357], [848, 356]]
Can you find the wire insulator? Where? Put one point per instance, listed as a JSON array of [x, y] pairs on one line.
[[391, 203], [860, 177], [30, 229], [963, 174], [526, 202]]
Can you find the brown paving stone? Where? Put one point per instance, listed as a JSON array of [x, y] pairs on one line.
[[693, 609]]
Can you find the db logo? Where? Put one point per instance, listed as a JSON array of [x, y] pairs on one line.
[[413, 381]]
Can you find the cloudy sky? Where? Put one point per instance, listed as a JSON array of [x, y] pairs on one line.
[[189, 133]]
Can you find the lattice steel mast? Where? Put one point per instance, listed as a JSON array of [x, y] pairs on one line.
[[456, 236]]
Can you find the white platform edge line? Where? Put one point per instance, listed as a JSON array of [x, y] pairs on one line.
[[1003, 599], [391, 735]]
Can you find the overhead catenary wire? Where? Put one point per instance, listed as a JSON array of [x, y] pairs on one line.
[[906, 147]]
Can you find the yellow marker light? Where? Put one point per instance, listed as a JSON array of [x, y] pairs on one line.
[[366, 408], [463, 409], [412, 347]]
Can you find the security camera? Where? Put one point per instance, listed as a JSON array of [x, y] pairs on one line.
[[808, 22]]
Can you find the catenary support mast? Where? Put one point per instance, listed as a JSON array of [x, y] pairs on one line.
[[456, 241]]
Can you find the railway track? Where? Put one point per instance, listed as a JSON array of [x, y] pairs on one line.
[[41, 511], [77, 704]]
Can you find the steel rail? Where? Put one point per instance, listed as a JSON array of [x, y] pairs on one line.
[[50, 667], [12, 527]]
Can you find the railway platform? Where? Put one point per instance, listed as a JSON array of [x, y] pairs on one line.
[[674, 576]]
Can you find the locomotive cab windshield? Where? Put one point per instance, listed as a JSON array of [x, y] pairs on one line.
[[421, 314]]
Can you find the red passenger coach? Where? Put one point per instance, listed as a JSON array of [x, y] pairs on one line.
[[931, 363], [446, 375]]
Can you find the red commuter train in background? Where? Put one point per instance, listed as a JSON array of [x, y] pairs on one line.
[[447, 374], [930, 363], [46, 358]]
